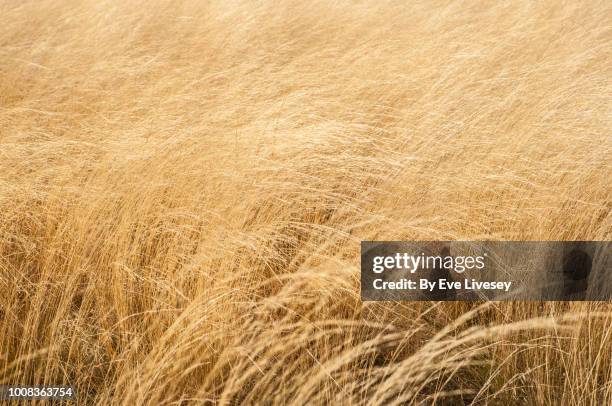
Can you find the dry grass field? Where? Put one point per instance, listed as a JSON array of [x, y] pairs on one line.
[[184, 186]]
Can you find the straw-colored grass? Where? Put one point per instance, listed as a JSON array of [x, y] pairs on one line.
[[184, 186]]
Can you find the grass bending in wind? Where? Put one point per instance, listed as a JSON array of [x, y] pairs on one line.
[[184, 186]]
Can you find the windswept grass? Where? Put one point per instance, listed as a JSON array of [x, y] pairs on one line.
[[184, 186]]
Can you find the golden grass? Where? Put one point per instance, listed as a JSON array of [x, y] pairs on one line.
[[184, 186]]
